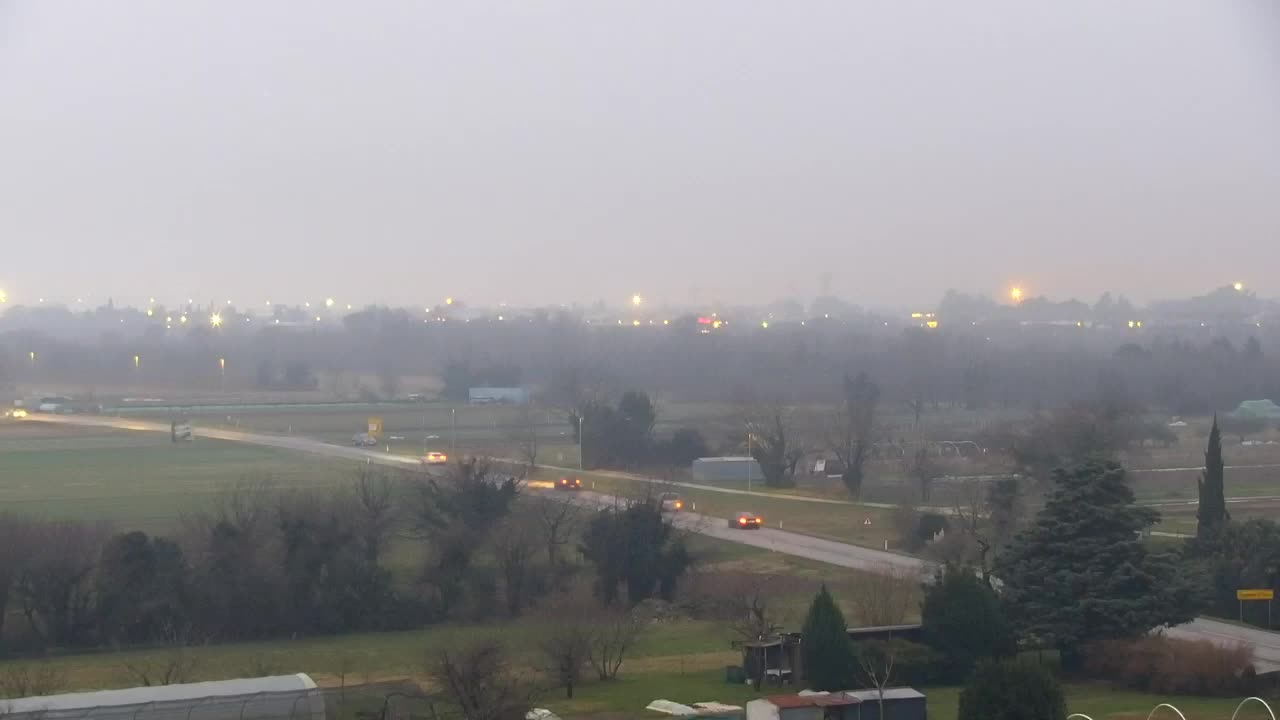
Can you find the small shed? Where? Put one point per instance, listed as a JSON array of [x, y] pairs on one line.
[[816, 706], [774, 660], [726, 469], [912, 633], [899, 704]]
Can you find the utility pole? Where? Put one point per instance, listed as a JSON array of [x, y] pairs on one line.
[[453, 437], [750, 461], [582, 460]]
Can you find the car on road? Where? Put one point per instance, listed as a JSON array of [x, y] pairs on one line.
[[746, 521], [567, 483], [17, 413], [364, 440], [435, 458], [670, 502]]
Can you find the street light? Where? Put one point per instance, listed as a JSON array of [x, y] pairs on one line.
[[215, 320], [1015, 294], [4, 296], [1238, 286], [636, 300], [328, 302]]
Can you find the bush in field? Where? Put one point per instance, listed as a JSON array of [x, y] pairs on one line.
[[1176, 666], [1012, 690]]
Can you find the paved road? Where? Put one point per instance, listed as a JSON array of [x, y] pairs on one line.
[[789, 543], [1266, 644]]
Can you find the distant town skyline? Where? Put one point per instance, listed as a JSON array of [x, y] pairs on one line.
[[695, 154]]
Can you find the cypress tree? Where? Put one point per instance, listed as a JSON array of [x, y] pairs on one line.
[[825, 648], [1212, 513]]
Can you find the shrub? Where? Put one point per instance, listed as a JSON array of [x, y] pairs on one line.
[[962, 619], [1163, 664], [1012, 690]]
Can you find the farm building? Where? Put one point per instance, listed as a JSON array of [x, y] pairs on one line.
[[727, 469], [282, 697]]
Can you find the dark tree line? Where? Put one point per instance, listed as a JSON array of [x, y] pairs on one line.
[[267, 562]]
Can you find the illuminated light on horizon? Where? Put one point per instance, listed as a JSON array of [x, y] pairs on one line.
[[1238, 286], [328, 302], [215, 320], [1015, 294]]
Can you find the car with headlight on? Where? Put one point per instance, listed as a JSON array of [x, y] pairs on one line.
[[435, 458], [568, 483], [670, 502], [364, 440], [746, 521], [17, 413]]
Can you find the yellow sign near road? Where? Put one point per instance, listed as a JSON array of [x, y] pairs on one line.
[[375, 426], [1255, 594]]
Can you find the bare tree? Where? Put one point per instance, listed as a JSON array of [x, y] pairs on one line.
[[514, 544], [756, 619], [774, 443], [970, 510], [885, 596], [28, 679], [920, 469], [479, 682], [614, 636], [375, 512], [560, 518], [55, 586], [568, 634], [17, 541], [172, 664], [876, 660], [852, 429]]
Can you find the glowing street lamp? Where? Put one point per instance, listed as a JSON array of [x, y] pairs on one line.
[[1015, 294], [636, 300], [4, 297], [448, 301], [215, 320], [137, 361], [1238, 286], [328, 302]]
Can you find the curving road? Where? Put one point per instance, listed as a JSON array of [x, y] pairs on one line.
[[789, 543]]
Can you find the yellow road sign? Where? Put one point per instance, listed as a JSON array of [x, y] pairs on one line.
[[375, 426], [1255, 594]]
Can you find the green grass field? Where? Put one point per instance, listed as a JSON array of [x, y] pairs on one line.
[[136, 480]]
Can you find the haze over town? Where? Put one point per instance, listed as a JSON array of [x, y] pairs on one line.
[[568, 153]]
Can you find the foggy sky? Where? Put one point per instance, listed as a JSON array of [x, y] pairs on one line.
[[693, 152]]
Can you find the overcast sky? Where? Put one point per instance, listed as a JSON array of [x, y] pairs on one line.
[[693, 152]]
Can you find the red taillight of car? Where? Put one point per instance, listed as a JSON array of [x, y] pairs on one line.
[[679, 504]]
